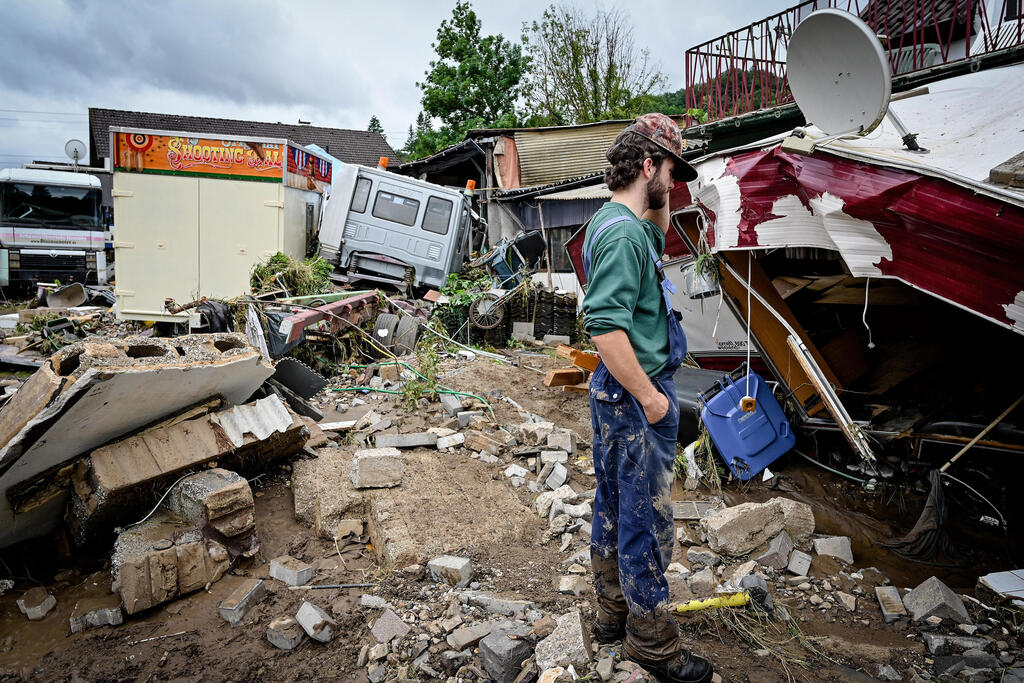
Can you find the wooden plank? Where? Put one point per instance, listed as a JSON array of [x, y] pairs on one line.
[[586, 361], [565, 351], [788, 286], [559, 377], [582, 388]]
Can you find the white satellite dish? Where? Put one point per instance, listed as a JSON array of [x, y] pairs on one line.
[[75, 149], [838, 73]]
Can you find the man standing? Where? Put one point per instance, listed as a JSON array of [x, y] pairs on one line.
[[633, 406]]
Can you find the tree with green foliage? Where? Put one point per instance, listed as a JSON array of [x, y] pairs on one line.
[[476, 81], [586, 68], [375, 126]]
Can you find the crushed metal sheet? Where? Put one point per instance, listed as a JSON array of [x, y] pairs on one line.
[[261, 419]]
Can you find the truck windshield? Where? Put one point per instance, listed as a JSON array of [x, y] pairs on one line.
[[56, 205]]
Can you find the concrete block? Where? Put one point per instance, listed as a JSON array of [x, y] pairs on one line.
[[523, 331], [562, 440], [542, 504], [534, 433], [456, 571], [777, 554], [554, 456], [514, 470], [480, 442], [416, 440], [495, 604], [467, 636], [104, 610], [556, 340], [452, 441], [317, 624], [378, 467], [452, 404], [502, 656], [247, 594], [285, 633], [221, 503], [572, 583], [890, 602], [569, 640], [36, 603], [698, 555], [557, 477], [799, 563], [389, 626], [934, 599], [350, 526], [797, 518], [739, 529], [290, 570], [703, 583], [835, 546], [468, 417]]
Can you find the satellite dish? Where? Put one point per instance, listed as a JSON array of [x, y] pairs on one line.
[[838, 73], [75, 149]]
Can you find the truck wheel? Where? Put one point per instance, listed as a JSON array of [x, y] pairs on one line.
[[384, 329], [486, 312], [406, 334]]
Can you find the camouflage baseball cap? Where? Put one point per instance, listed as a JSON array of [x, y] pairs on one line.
[[663, 131]]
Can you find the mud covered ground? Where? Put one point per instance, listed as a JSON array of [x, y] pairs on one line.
[[187, 639]]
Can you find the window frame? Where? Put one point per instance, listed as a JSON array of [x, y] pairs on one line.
[[448, 220], [366, 197], [405, 200]]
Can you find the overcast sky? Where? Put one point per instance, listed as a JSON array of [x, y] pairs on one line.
[[332, 62]]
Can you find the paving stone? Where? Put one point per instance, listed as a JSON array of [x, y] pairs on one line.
[[777, 554], [934, 598], [799, 563], [455, 571], [553, 457], [452, 441], [835, 546], [233, 609], [502, 657], [290, 570], [36, 603], [452, 404], [890, 602], [703, 556], [317, 624], [569, 640], [562, 440], [285, 633], [104, 610], [557, 477], [378, 467], [464, 637], [416, 440], [389, 626]]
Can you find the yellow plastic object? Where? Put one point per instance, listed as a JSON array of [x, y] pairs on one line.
[[730, 600], [748, 404]]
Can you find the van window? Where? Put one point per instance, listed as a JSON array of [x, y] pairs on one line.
[[394, 207], [361, 194], [438, 215]]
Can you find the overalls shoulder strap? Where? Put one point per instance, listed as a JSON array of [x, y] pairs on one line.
[[593, 238]]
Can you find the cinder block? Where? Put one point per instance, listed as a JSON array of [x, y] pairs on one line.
[[285, 633], [290, 570], [405, 440], [378, 467], [456, 571], [317, 624], [233, 609], [451, 404]]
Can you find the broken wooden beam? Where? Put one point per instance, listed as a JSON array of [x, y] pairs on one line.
[[582, 387], [559, 377], [581, 359]]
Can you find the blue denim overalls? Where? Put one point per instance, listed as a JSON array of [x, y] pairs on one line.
[[631, 542]]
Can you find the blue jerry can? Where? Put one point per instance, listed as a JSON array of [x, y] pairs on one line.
[[748, 442]]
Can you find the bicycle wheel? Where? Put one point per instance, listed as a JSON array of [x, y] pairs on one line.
[[486, 313]]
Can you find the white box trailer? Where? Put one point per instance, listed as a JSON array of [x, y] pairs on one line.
[[195, 212]]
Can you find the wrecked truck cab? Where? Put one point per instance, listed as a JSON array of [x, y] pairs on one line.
[[379, 226]]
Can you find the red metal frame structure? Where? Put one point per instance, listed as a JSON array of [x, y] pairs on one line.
[[745, 70]]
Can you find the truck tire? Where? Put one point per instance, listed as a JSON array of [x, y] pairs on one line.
[[406, 334], [384, 329]]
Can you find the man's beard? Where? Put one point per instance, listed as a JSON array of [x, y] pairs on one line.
[[657, 193]]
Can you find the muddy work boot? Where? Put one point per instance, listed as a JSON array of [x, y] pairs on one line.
[[653, 643], [608, 632]]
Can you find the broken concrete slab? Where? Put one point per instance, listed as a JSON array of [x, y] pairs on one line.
[[695, 509], [467, 636], [562, 440], [114, 480], [798, 520], [94, 391], [93, 612], [533, 433], [378, 467], [502, 656], [323, 492], [777, 554], [515, 470], [220, 503], [247, 594], [569, 640], [739, 529], [290, 570], [317, 624], [452, 441], [496, 604], [1001, 587], [890, 602], [557, 477], [417, 440], [285, 633], [36, 603], [940, 645], [158, 561], [482, 443], [835, 546], [455, 571], [553, 457], [542, 504], [388, 627], [934, 599], [846, 600]]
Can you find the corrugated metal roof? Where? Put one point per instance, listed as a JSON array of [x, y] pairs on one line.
[[549, 156], [261, 419], [590, 192]]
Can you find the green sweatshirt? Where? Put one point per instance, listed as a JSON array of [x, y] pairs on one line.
[[623, 292]]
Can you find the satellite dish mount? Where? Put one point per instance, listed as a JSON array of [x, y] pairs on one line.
[[75, 149]]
